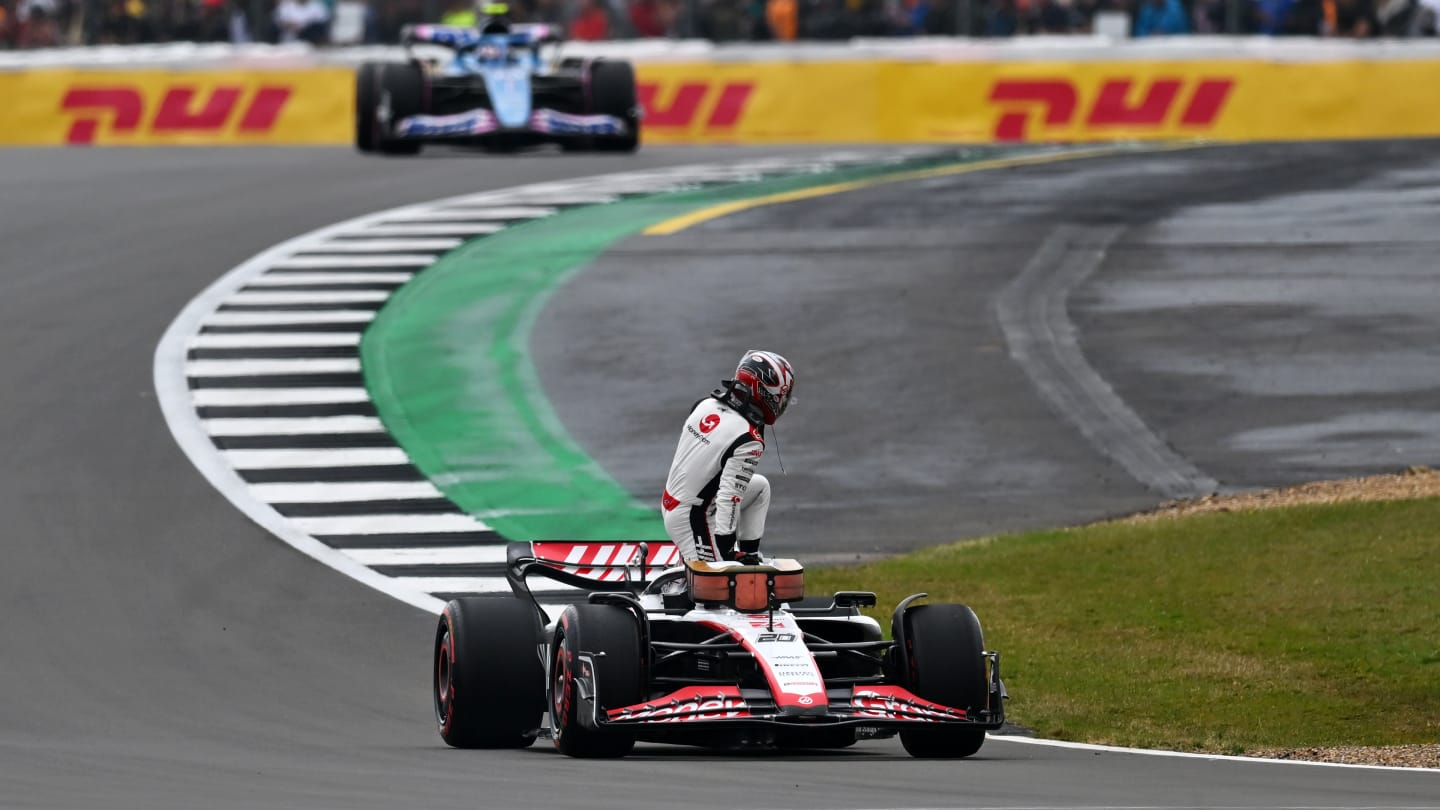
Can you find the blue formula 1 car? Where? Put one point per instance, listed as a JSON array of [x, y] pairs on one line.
[[498, 92]]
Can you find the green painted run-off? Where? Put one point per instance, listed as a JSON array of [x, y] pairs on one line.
[[448, 367]]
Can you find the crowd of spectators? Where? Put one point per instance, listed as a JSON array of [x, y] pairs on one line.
[[42, 23], [842, 19], [48, 23]]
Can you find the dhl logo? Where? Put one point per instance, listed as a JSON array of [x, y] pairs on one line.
[[687, 105], [182, 109], [1054, 103]]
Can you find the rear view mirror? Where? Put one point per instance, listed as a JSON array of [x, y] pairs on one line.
[[854, 599]]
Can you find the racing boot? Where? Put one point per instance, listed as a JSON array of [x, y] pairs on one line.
[[747, 552]]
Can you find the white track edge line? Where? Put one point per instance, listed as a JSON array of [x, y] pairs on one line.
[[1155, 752], [291, 458], [236, 426], [276, 340], [430, 555], [456, 522]]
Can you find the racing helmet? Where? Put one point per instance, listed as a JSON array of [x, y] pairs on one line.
[[494, 17], [770, 380]]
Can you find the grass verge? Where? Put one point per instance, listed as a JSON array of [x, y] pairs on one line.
[[1221, 632]]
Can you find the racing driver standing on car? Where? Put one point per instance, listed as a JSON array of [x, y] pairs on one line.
[[715, 502]]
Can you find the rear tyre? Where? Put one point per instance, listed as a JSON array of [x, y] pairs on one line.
[[489, 685], [366, 99], [612, 92], [946, 656], [594, 628], [401, 86]]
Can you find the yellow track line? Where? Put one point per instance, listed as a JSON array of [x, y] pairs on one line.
[[680, 223]]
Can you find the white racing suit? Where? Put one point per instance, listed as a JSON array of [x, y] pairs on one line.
[[715, 503]]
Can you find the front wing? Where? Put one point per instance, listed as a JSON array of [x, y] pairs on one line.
[[481, 121], [861, 705], [879, 705]]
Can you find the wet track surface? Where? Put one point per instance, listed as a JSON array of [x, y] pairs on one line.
[[158, 651]]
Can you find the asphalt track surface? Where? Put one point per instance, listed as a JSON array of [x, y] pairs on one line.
[[158, 651]]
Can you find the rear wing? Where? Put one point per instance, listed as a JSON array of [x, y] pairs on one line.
[[535, 34], [464, 38], [592, 565]]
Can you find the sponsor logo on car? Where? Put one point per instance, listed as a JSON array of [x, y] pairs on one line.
[[886, 703], [474, 122], [687, 705], [714, 709], [558, 123]]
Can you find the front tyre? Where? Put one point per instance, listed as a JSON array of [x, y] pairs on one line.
[[594, 629], [612, 92], [399, 94], [945, 651], [367, 99], [489, 685]]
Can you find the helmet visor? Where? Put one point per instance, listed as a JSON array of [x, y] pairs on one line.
[[785, 402]]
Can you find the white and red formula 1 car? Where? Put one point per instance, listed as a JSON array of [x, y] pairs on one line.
[[719, 655]]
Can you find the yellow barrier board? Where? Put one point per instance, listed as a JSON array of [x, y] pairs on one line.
[[880, 101], [953, 102], [157, 107]]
